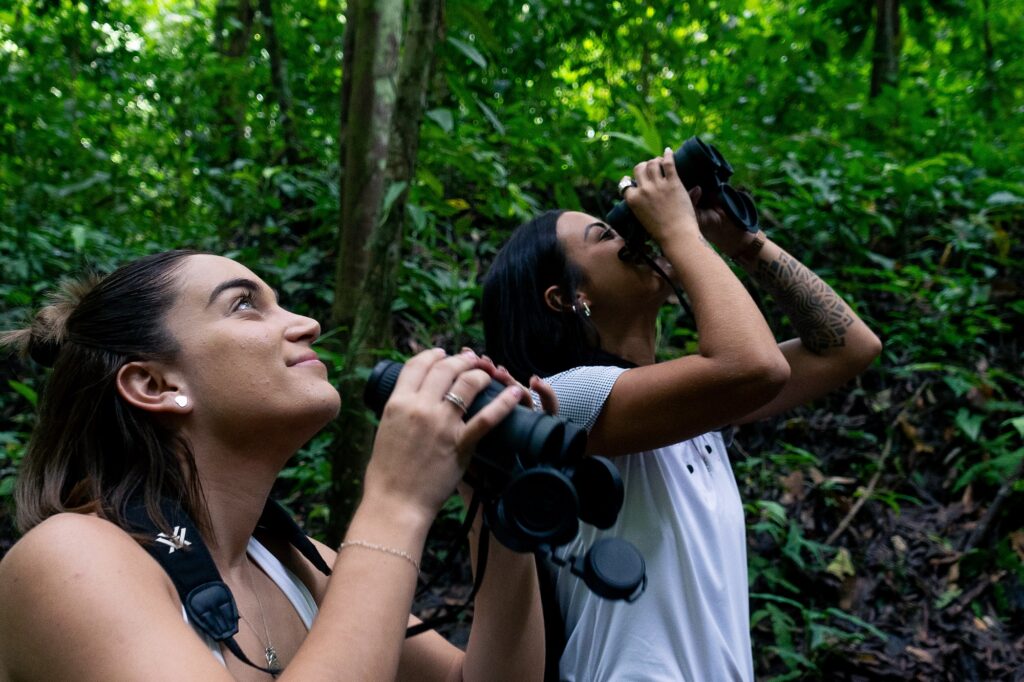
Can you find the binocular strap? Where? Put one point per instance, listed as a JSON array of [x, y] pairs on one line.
[[183, 555]]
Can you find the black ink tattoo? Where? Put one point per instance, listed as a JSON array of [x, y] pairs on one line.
[[820, 317], [748, 254]]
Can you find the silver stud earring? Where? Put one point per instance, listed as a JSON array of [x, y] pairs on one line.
[[181, 400]]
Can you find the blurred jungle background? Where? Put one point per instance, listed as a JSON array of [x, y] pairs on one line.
[[368, 159]]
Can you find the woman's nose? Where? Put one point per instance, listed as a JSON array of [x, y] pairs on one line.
[[303, 328]]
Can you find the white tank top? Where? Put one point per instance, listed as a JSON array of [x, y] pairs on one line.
[[286, 581]]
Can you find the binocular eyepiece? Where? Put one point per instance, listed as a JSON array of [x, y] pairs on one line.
[[698, 164]]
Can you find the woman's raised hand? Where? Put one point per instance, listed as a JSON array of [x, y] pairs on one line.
[[659, 199], [718, 228], [423, 445]]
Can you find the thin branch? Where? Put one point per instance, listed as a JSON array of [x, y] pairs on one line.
[[869, 491]]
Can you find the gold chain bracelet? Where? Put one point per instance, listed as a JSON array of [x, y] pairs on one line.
[[381, 548]]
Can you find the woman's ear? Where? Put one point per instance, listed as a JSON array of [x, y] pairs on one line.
[[554, 299], [144, 385]]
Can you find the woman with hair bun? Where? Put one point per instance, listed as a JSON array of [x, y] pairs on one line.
[[179, 379]]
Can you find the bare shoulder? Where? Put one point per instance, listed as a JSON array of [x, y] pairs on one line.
[[93, 579], [75, 559], [75, 546]]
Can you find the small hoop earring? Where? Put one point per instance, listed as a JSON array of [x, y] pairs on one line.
[[181, 400]]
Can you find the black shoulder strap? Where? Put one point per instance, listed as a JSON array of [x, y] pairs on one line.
[[279, 523], [184, 556]]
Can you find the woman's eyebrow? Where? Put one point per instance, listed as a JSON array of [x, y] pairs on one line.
[[237, 283]]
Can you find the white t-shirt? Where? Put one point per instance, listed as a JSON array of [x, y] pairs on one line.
[[682, 510]]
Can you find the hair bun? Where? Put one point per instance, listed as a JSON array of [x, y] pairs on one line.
[[45, 337]]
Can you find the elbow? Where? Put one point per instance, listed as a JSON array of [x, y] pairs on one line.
[[873, 349], [865, 351], [767, 374]]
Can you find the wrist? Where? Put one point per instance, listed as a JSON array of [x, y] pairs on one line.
[[394, 515], [748, 252], [676, 226]]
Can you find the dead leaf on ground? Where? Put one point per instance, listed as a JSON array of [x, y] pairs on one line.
[[1017, 543], [793, 485]]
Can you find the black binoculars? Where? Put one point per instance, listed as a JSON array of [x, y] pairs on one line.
[[698, 164], [530, 471], [536, 485]]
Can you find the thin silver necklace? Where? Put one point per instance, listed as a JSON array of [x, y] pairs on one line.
[[268, 650]]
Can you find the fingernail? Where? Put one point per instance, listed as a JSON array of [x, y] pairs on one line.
[[668, 149], [469, 351], [517, 392]]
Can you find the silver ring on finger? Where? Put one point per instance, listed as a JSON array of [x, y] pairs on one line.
[[456, 401], [625, 183]]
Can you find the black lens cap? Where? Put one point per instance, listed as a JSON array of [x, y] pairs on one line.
[[614, 569]]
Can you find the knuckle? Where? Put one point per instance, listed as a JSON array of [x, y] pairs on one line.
[[477, 378]]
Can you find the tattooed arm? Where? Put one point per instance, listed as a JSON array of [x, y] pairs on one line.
[[833, 344]]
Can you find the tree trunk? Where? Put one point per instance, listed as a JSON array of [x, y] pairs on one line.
[[279, 80], [990, 86], [232, 26], [381, 110], [885, 60]]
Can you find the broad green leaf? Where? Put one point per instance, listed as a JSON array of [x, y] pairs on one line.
[[443, 118], [25, 391], [969, 423], [470, 51]]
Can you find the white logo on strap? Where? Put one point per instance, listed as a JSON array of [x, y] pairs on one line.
[[175, 541]]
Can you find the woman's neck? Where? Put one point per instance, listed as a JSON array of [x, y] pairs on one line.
[[630, 337], [236, 485]]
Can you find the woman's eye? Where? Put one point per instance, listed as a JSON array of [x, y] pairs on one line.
[[246, 302], [608, 234]]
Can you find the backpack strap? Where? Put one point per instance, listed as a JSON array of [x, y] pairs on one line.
[[208, 601]]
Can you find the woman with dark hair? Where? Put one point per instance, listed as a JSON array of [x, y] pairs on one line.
[[560, 302], [179, 383]]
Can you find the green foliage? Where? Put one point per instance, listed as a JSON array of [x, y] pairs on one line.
[[127, 127]]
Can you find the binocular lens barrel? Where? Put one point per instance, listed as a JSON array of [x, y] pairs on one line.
[[534, 436], [701, 164], [698, 164]]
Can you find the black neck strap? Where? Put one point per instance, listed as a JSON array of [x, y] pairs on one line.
[[183, 555]]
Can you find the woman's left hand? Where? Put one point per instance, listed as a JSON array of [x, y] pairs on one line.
[[719, 229], [548, 399]]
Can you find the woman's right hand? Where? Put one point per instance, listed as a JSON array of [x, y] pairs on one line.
[[659, 200], [423, 445]]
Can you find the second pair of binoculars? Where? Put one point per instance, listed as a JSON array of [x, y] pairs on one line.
[[698, 164]]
